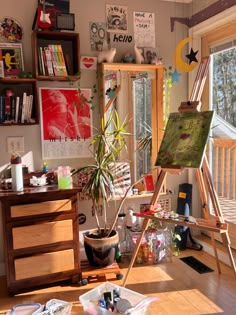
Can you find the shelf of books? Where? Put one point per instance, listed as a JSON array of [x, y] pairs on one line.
[[55, 55], [18, 103]]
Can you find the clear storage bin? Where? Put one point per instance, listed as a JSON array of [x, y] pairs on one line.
[[90, 299]]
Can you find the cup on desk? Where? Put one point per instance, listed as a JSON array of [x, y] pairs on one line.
[[64, 177]]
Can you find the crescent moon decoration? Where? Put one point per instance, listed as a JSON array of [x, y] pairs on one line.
[[179, 62]]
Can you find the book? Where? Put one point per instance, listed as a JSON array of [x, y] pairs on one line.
[[24, 104], [13, 108], [7, 105], [55, 61], [30, 107], [49, 61], [17, 108], [61, 60], [2, 110]]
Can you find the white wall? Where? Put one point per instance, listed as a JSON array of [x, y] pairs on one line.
[[85, 11]]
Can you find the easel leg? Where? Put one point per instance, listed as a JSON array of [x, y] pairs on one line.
[[144, 228], [146, 221], [226, 242], [218, 211], [206, 213]]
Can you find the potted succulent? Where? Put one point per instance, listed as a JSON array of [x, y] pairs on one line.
[[101, 243]]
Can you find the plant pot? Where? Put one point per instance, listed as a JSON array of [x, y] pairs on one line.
[[101, 251]]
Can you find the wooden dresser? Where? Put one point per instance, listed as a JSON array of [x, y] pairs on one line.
[[41, 237]]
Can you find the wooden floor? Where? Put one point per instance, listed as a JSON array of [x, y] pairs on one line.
[[180, 289]]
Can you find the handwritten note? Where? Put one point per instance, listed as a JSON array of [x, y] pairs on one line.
[[144, 29]]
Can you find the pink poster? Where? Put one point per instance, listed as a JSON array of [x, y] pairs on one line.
[[66, 121]]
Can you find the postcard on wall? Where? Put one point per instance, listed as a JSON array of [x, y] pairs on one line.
[[144, 29], [99, 37], [12, 56], [66, 122], [117, 18], [185, 139]]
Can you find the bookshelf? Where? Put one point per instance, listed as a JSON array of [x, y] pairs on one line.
[[10, 112], [42, 41]]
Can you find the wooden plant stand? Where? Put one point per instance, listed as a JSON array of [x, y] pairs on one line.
[[90, 274]]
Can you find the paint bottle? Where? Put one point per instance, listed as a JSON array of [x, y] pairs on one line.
[[16, 173]]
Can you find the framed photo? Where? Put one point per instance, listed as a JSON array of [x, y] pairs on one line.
[[12, 56], [150, 55], [66, 122]]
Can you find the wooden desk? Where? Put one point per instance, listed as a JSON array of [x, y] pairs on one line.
[[41, 245]]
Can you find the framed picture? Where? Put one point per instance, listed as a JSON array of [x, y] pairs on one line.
[[66, 122], [117, 18], [150, 55], [12, 56]]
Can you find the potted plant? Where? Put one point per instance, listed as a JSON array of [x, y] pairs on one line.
[[101, 243]]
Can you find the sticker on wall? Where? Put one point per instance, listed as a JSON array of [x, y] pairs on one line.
[[180, 64], [81, 218], [88, 63]]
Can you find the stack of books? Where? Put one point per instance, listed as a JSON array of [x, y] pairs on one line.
[[51, 61], [16, 109]]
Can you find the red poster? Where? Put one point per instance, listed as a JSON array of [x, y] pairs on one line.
[[66, 120]]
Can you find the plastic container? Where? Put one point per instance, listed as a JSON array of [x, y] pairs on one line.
[[90, 299], [64, 177]]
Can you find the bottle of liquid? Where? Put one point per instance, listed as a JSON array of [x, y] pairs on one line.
[[16, 173]]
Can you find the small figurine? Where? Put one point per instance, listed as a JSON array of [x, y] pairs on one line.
[[107, 55], [138, 55], [128, 58]]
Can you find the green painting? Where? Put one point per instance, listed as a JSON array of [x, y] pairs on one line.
[[185, 138]]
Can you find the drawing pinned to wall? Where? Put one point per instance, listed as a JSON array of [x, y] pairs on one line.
[[99, 38], [66, 120], [185, 138], [144, 29], [117, 18]]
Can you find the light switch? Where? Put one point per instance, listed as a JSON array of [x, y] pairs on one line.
[[15, 144]]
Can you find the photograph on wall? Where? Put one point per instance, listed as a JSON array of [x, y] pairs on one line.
[[66, 122], [185, 138], [117, 18], [12, 56], [99, 37], [144, 29]]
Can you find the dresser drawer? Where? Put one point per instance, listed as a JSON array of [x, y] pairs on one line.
[[42, 234], [44, 264], [40, 208]]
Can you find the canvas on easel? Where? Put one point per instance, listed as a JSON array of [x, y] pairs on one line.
[[185, 138]]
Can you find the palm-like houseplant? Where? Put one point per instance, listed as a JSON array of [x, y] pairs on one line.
[[107, 146]]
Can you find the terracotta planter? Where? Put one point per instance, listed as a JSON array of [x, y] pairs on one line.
[[101, 251]]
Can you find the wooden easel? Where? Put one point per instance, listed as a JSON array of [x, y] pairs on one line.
[[205, 184]]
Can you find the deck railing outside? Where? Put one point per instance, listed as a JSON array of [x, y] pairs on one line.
[[224, 167]]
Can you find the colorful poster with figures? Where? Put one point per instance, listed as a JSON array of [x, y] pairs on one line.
[[144, 29], [66, 122], [185, 138], [12, 56]]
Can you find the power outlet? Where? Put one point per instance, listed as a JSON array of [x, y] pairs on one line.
[[15, 144]]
